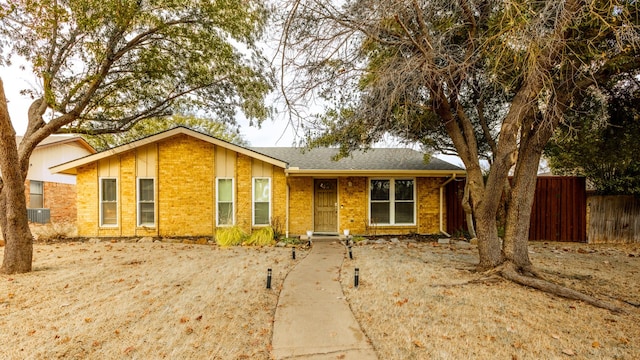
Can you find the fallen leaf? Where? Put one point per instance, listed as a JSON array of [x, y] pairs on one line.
[[129, 350], [88, 320], [199, 318], [402, 302], [31, 332], [417, 343], [189, 330], [555, 336], [595, 344], [184, 319]]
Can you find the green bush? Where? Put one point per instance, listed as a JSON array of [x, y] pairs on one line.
[[230, 236], [261, 237]]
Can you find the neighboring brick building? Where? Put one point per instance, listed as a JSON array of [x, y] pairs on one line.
[[184, 183], [52, 197]]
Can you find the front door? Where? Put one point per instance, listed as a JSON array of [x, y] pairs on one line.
[[326, 205]]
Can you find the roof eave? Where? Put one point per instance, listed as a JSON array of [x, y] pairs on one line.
[[361, 172]]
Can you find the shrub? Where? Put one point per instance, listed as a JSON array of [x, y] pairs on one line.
[[230, 236], [261, 237]]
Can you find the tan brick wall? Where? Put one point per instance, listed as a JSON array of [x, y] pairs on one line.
[[87, 200], [300, 205], [185, 187], [354, 203], [243, 195], [127, 194], [429, 205]]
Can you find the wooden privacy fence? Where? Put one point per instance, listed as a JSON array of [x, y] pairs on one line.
[[558, 213], [613, 219]]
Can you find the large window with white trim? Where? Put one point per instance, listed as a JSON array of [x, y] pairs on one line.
[[261, 201], [108, 202], [225, 203], [146, 202], [392, 201]]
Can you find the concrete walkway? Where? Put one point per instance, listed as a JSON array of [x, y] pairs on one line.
[[313, 320]]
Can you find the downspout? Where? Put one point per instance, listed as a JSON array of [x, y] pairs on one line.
[[453, 176], [286, 225]]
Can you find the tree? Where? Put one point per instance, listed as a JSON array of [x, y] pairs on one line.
[[153, 126], [411, 67], [601, 142], [106, 65]]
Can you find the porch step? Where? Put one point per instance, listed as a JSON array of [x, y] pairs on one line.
[[323, 237]]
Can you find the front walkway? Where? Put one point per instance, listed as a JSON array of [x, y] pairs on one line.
[[313, 320]]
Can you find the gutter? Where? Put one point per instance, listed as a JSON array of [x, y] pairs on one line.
[[453, 176], [286, 221]]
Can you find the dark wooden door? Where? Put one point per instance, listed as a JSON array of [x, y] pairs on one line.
[[326, 205]]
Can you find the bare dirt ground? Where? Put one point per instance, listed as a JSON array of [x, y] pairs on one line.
[[415, 301]]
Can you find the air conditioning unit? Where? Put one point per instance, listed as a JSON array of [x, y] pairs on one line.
[[40, 216]]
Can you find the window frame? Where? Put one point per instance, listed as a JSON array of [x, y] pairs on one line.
[[139, 222], [31, 193], [392, 201], [102, 202], [233, 201], [253, 201]]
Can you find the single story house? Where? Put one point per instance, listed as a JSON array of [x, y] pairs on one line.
[[184, 183]]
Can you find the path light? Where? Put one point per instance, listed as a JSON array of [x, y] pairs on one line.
[[356, 279], [350, 253], [293, 253], [269, 278]]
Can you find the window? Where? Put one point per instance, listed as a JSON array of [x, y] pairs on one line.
[[108, 202], [36, 191], [261, 201], [392, 201], [146, 202], [225, 201]]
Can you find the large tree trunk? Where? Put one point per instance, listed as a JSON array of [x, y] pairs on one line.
[[18, 251]]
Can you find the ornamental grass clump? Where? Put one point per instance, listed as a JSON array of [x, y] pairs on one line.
[[230, 236], [261, 237]]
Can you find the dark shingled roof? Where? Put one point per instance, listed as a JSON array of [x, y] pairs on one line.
[[372, 159]]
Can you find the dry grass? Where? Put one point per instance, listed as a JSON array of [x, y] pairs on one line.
[[418, 303], [139, 301], [160, 300]]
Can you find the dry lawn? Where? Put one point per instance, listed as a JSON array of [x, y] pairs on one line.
[[420, 302], [161, 300], [141, 301]]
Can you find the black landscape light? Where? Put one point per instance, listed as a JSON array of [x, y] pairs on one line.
[[350, 253], [356, 279], [269, 278], [293, 253]]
